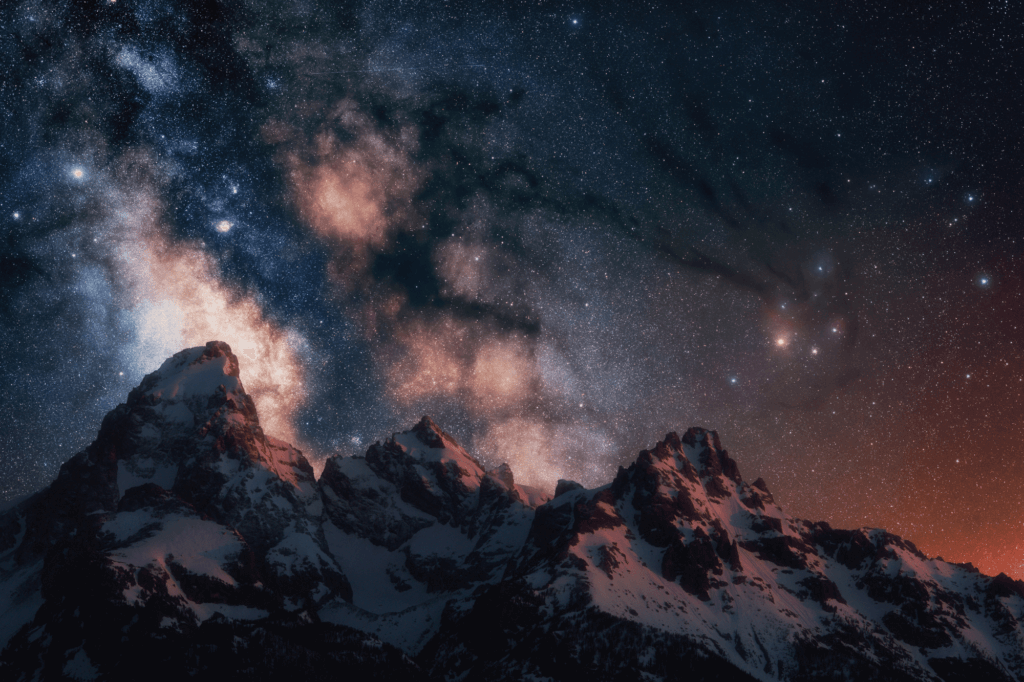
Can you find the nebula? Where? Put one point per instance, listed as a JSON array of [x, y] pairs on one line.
[[172, 295], [354, 193], [180, 302]]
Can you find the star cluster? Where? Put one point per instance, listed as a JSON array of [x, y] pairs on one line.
[[561, 230]]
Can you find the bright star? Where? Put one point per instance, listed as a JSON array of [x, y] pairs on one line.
[[223, 226]]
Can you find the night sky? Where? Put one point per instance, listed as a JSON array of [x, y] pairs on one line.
[[561, 229]]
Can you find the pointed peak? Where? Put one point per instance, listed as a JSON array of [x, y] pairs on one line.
[[564, 485], [503, 473], [698, 446], [698, 436], [429, 442], [432, 435], [704, 449], [194, 372], [219, 349], [696, 440]]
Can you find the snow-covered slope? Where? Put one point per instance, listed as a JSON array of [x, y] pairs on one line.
[[679, 553], [182, 510], [419, 525], [185, 540]]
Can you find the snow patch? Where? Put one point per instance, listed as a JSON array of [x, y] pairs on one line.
[[380, 582], [20, 599], [190, 374], [79, 667], [202, 547], [133, 473]]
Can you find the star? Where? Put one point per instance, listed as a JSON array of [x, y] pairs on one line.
[[223, 226]]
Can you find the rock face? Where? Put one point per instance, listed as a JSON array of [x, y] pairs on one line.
[[181, 512], [419, 526], [678, 569], [187, 541]]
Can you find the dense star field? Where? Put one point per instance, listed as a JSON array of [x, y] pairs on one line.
[[560, 229]]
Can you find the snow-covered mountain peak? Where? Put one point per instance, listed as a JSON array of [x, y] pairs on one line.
[[691, 475], [427, 442], [190, 426], [704, 451], [433, 436], [195, 372]]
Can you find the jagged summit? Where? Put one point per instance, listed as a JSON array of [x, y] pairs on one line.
[[698, 447], [194, 372], [190, 413], [187, 540], [431, 435], [427, 442]]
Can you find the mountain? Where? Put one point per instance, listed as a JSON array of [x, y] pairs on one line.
[[186, 541]]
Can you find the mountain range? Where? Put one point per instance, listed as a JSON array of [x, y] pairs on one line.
[[185, 542]]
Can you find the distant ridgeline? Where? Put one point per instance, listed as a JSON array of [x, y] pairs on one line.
[[185, 543]]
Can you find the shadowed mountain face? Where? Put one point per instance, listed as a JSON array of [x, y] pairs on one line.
[[186, 538]]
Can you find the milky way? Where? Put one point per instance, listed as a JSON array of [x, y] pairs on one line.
[[561, 231]]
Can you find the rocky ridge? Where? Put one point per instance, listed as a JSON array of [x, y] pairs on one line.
[[186, 538]]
